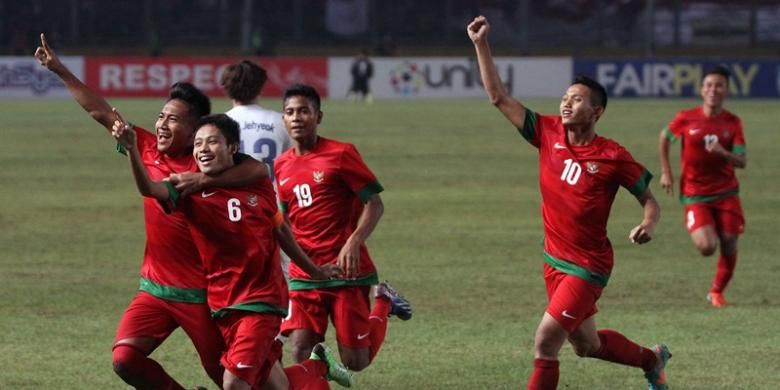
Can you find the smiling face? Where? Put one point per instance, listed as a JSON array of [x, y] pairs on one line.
[[577, 107], [175, 127], [211, 150], [301, 118], [714, 89]]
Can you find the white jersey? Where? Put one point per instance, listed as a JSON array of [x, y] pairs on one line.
[[263, 135]]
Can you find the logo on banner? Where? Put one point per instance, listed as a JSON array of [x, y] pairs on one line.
[[406, 78], [27, 75]]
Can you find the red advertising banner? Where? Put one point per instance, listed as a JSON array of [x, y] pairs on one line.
[[152, 76]]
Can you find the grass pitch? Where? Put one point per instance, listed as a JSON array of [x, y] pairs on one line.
[[460, 237]]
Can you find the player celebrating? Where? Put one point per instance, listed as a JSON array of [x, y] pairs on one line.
[[712, 146], [238, 232], [580, 173], [263, 135], [172, 288], [332, 200]]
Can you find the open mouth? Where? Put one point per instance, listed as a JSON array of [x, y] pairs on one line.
[[205, 158]]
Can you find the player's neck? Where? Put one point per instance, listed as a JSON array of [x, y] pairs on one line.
[[711, 111], [580, 135], [305, 146], [236, 103]]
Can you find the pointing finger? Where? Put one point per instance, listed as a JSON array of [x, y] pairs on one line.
[[44, 43]]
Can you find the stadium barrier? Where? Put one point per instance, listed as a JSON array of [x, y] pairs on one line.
[[394, 77]]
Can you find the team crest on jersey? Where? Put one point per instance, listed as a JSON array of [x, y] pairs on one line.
[[592, 167], [319, 176], [252, 200]]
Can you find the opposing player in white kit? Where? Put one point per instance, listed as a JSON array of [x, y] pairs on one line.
[[263, 135]]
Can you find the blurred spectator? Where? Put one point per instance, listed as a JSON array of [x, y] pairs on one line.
[[362, 70]]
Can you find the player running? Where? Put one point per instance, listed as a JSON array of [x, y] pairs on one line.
[[713, 144], [172, 290], [580, 173], [332, 201], [238, 233]]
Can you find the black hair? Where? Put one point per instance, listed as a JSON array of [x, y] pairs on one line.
[[226, 125], [198, 102], [598, 95], [304, 90], [243, 81], [719, 70]]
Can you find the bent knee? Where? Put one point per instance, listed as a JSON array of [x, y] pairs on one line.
[[585, 350], [706, 247], [355, 363]]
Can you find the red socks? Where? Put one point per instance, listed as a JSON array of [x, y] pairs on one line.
[[139, 371], [545, 375], [308, 375], [378, 326], [726, 265], [617, 348]]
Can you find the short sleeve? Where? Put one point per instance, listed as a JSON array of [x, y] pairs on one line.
[[531, 129], [675, 128], [356, 174], [739, 139], [631, 174]]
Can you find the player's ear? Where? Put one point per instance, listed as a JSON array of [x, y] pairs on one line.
[[597, 112], [233, 148], [319, 117]]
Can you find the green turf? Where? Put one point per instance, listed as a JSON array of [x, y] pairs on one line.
[[460, 237]]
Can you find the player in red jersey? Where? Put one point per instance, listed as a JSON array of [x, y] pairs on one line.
[[172, 288], [238, 232], [579, 175], [713, 144], [333, 203]]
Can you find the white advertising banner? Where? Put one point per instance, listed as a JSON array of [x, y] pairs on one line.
[[441, 77], [25, 77]]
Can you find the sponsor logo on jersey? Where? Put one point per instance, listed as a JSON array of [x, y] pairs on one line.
[[566, 314], [362, 336], [207, 194], [242, 365], [593, 168], [559, 146], [319, 176], [282, 181], [693, 131]]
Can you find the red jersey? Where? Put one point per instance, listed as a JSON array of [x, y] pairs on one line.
[[323, 193], [171, 268], [706, 176], [233, 229], [578, 185]]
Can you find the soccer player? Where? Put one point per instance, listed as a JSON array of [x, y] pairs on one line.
[[580, 173], [172, 291], [263, 135], [238, 232], [713, 145], [332, 201]]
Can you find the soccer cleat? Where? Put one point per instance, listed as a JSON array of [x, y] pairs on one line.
[[399, 306], [336, 371], [716, 299], [656, 380]]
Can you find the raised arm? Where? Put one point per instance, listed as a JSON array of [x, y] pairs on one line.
[[645, 231], [349, 256], [290, 246], [511, 108], [94, 104], [667, 178], [125, 136]]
